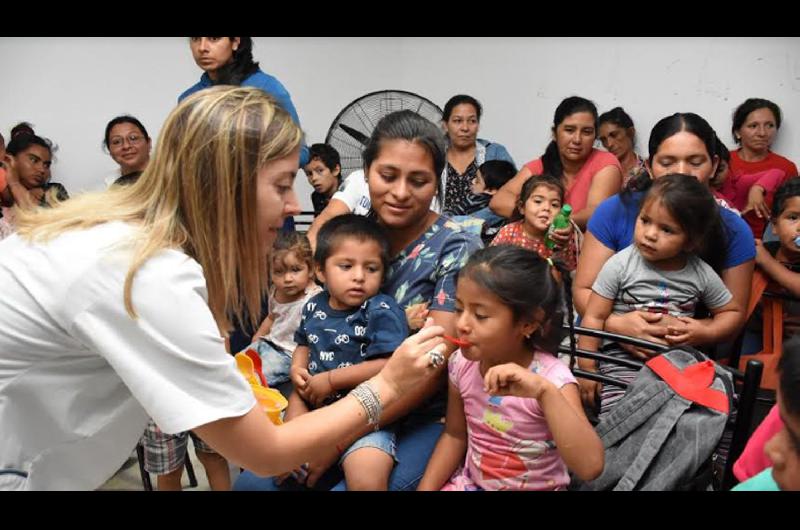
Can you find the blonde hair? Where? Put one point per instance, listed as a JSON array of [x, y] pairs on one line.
[[198, 193]]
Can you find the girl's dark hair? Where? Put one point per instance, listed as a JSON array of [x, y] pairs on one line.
[[22, 137], [789, 375], [241, 65], [551, 159], [295, 242], [528, 285], [787, 190], [22, 128], [694, 208], [668, 127], [125, 118], [350, 226], [724, 155], [461, 99], [409, 126], [617, 116], [531, 184], [751, 105], [496, 173]]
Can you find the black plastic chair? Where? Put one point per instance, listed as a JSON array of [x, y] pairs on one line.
[[148, 484], [739, 421], [302, 221]]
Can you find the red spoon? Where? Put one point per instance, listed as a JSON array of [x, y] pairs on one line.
[[458, 342]]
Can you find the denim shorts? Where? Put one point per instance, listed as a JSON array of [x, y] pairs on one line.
[[383, 439], [165, 453], [275, 361]]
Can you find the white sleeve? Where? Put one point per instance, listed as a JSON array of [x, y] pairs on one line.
[[351, 191], [172, 357]]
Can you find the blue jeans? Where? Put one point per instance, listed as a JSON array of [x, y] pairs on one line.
[[275, 362], [415, 443]]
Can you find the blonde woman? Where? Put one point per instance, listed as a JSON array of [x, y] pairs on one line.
[[131, 326]]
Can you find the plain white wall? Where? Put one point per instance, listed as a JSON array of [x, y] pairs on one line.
[[70, 87]]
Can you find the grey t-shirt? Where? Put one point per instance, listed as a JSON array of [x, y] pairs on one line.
[[635, 285]]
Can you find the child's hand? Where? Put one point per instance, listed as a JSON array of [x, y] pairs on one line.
[[761, 253], [756, 202], [686, 331], [590, 392], [300, 376], [416, 315], [318, 388], [512, 379], [561, 236]]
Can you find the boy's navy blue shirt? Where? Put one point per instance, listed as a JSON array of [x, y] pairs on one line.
[[337, 339]]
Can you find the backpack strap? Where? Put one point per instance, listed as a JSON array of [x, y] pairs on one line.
[[692, 383]]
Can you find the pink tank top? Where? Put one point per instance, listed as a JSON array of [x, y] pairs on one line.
[[578, 193]]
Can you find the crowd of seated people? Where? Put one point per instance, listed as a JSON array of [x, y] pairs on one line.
[[659, 245]]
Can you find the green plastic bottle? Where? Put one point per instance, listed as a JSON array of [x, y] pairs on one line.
[[561, 221]]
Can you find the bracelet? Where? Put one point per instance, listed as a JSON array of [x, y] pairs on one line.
[[366, 395]]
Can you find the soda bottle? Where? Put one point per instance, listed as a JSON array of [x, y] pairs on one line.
[[561, 221]]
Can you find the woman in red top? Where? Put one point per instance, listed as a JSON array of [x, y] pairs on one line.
[[755, 171], [588, 175]]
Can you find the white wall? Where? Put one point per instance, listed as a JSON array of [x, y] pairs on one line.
[[70, 87]]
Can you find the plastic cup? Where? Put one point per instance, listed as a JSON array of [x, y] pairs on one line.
[[271, 402]]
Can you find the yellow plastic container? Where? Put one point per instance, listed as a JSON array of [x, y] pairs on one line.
[[271, 401]]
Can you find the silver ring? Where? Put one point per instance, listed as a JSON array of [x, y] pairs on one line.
[[436, 358]]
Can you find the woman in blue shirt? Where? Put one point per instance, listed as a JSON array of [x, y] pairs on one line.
[[681, 143], [229, 61]]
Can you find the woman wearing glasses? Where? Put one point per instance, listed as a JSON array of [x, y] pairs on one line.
[[129, 145]]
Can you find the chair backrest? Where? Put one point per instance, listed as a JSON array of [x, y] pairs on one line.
[[303, 220], [745, 388]]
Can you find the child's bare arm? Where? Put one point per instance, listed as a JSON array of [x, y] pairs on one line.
[[264, 328], [297, 407], [777, 271], [576, 440], [451, 448], [597, 311], [324, 384], [298, 373]]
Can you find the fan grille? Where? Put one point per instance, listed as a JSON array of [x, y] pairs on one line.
[[353, 126]]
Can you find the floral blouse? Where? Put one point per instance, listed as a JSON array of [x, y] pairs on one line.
[[426, 270]]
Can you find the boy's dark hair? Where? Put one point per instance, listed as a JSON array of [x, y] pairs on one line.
[[694, 208], [789, 375], [350, 226], [787, 190], [296, 242], [527, 285], [531, 184], [326, 154], [752, 105], [496, 173]]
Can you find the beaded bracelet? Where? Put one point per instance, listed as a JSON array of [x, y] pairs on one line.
[[366, 395]]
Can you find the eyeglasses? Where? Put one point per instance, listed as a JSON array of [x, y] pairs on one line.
[[117, 141]]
